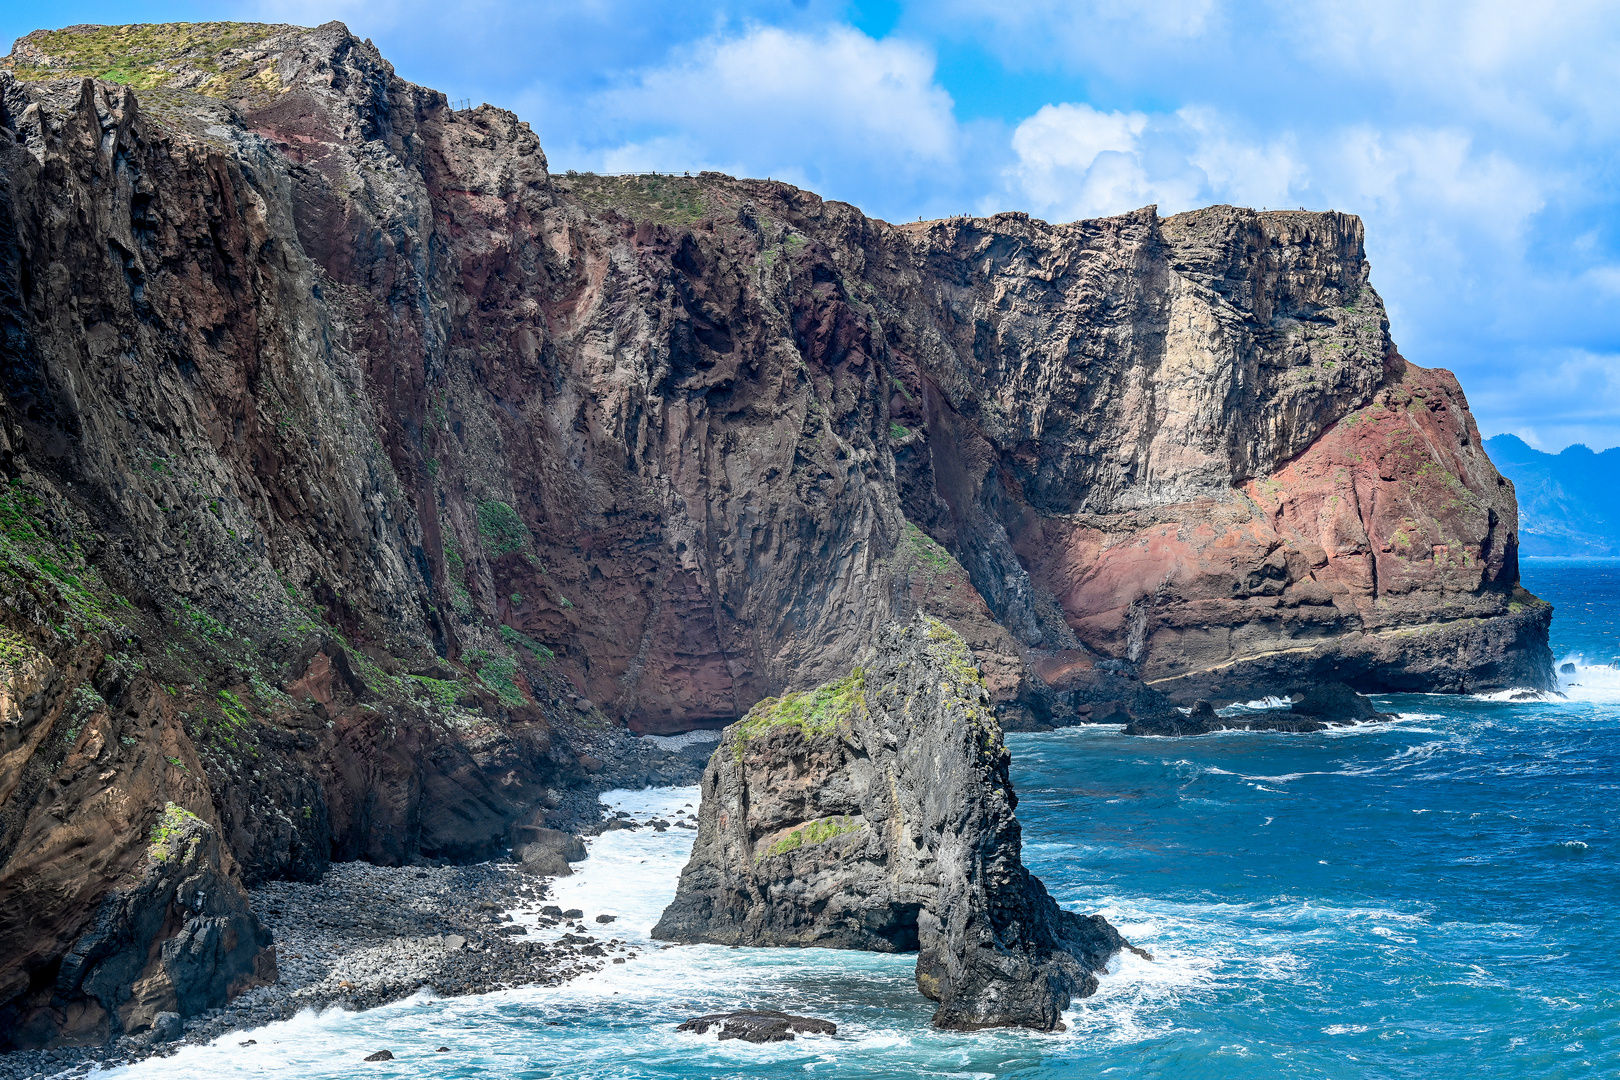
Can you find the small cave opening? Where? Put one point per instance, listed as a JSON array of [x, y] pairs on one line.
[[901, 929]]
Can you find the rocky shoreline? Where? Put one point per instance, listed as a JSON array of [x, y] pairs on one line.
[[367, 935]]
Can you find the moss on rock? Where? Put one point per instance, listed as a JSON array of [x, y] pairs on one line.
[[814, 712]]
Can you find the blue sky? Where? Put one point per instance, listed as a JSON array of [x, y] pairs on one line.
[[1477, 140]]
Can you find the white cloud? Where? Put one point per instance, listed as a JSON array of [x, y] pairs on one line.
[[1074, 161], [780, 103]]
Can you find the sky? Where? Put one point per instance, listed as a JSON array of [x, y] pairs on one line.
[[1477, 140]]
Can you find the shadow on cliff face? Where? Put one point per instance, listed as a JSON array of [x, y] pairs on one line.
[[364, 478]]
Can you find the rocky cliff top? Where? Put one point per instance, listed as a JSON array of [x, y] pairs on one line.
[[234, 61]]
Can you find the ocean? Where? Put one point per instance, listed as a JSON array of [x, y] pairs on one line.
[[1429, 897]]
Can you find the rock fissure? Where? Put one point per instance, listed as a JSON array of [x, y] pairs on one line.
[[322, 395]]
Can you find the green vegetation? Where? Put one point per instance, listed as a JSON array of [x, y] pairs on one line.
[[35, 547], [202, 624], [519, 640], [231, 707], [502, 529], [927, 550], [442, 692], [898, 432], [813, 712], [668, 200], [15, 650], [499, 673], [452, 552], [151, 55], [813, 832], [174, 819]]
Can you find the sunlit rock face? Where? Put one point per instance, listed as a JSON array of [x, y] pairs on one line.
[[355, 455]]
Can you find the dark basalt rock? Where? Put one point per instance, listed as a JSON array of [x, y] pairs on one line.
[[296, 516], [1322, 706], [876, 813], [759, 1025], [547, 852], [1336, 703]]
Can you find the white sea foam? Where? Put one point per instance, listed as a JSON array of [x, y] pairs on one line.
[[1593, 681]]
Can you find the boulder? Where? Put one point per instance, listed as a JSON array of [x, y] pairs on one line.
[[876, 813], [1336, 703], [1173, 722], [759, 1025], [547, 852]]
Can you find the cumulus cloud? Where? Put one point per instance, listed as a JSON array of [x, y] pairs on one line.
[[1553, 400], [773, 102], [1074, 161]]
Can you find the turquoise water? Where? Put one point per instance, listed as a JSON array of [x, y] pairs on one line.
[[1431, 897]]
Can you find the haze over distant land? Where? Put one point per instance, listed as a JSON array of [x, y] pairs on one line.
[[1569, 503]]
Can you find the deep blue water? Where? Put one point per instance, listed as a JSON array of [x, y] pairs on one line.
[[1432, 897]]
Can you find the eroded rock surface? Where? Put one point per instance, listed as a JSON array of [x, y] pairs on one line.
[[361, 474], [876, 813], [758, 1025]]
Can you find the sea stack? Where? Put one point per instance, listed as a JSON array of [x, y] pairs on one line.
[[876, 812]]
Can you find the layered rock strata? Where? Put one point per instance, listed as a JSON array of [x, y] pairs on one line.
[[876, 813], [366, 469]]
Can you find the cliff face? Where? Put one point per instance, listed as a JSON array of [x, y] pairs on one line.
[[876, 813], [360, 465]]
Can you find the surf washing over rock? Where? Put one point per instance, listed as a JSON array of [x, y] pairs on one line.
[[876, 813], [362, 477]]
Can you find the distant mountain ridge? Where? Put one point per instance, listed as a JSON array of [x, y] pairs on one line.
[[1569, 503]]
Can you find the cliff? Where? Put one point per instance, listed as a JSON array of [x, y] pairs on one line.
[[876, 813], [361, 472]]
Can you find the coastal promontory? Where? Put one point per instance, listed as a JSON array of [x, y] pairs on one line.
[[366, 486]]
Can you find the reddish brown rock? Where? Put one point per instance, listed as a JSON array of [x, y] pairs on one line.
[[362, 445]]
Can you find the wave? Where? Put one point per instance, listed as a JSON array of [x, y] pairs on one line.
[[1583, 680]]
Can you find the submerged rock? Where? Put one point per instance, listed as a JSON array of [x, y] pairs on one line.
[[876, 813], [759, 1025]]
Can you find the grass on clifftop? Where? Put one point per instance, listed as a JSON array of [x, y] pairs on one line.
[[814, 712], [149, 55], [668, 200]]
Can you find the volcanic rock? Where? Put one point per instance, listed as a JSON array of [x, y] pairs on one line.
[[1336, 703], [876, 813], [323, 497], [759, 1025], [547, 852], [1323, 705]]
